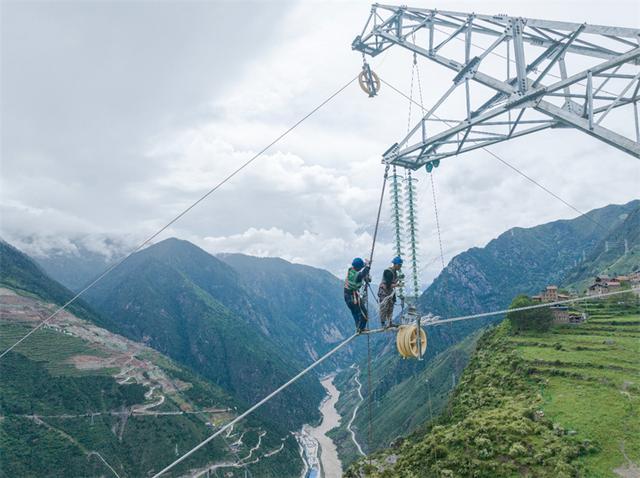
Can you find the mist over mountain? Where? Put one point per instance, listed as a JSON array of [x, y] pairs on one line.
[[73, 261]]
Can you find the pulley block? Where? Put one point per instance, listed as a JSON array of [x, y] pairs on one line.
[[407, 341], [369, 81]]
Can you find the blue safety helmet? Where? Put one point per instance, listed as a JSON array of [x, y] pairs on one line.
[[357, 263], [397, 260]]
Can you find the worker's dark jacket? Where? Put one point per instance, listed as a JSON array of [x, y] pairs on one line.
[[389, 279]]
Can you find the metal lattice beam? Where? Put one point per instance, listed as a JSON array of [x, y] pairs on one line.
[[554, 75]]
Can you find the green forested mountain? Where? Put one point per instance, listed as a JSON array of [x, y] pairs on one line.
[[618, 253], [76, 399], [194, 308], [18, 271], [305, 305], [520, 261], [302, 307]]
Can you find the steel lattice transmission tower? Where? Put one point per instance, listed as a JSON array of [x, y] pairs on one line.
[[513, 76]]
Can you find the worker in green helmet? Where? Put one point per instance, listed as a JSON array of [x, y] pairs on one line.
[[387, 291]]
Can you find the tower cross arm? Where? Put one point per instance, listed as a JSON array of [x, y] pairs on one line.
[[599, 56]]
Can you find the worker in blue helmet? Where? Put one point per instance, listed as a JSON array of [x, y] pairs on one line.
[[391, 280], [357, 275]]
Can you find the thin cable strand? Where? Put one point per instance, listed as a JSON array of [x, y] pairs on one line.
[[531, 307], [256, 406], [179, 216], [369, 332]]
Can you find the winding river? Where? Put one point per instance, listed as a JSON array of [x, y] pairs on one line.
[[315, 441]]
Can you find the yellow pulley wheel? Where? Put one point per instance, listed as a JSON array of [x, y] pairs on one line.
[[400, 341], [407, 341]]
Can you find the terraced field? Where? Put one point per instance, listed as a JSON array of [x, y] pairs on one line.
[[77, 400], [591, 384]]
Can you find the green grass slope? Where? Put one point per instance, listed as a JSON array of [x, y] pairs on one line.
[[558, 404], [72, 368], [404, 407]]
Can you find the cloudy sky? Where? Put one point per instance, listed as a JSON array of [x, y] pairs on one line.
[[117, 115]]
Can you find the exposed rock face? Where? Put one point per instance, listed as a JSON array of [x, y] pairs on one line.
[[525, 261], [299, 301]]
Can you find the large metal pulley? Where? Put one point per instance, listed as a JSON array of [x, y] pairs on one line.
[[408, 343], [369, 81]]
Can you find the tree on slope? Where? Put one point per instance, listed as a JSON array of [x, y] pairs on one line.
[[535, 319]]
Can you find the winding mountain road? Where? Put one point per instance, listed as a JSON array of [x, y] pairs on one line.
[[355, 410]]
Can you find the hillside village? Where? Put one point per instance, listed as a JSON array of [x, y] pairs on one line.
[[602, 284]]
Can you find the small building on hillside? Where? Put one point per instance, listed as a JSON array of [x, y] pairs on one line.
[[597, 288], [603, 284], [550, 294], [563, 315]]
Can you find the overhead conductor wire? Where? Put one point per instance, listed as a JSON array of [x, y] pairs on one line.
[[369, 332], [255, 407], [531, 307], [181, 214]]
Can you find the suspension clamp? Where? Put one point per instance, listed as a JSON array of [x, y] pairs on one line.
[[432, 164]]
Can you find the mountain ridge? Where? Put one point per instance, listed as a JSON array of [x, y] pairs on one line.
[[518, 261], [75, 391], [191, 306], [474, 274]]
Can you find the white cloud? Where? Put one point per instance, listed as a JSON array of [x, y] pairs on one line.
[[312, 198], [318, 249]]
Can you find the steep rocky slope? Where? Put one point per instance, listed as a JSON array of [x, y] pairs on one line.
[[304, 304], [520, 261], [194, 308]]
